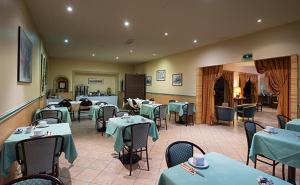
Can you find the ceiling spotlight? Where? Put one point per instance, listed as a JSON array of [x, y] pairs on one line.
[[93, 54], [259, 21], [69, 8], [66, 41], [126, 23], [131, 51], [195, 41], [166, 33], [154, 54], [117, 58]]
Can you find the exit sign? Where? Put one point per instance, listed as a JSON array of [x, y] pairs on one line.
[[248, 56]]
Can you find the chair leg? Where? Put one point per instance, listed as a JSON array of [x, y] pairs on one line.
[[170, 116], [175, 117], [130, 162], [123, 155], [166, 124], [147, 158], [283, 173], [273, 172], [247, 158], [78, 115], [255, 162], [193, 120]]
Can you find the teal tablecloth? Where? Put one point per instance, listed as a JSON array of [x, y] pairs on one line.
[[66, 118], [293, 125], [177, 107], [93, 114], [8, 154], [221, 171], [284, 146], [148, 110], [115, 128]]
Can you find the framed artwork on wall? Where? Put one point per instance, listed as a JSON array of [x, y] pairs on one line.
[[24, 57], [148, 80], [160, 75], [43, 73], [62, 85], [95, 81], [177, 79]]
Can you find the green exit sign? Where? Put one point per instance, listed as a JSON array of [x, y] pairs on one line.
[[248, 56]]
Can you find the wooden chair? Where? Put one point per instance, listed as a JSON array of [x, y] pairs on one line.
[[188, 112], [160, 113], [84, 107], [172, 112], [104, 114], [53, 114]]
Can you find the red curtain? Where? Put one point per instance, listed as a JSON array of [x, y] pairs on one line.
[[210, 75], [277, 73]]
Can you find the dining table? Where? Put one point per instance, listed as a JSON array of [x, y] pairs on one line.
[[221, 170], [66, 118], [116, 125], [94, 110], [281, 145], [148, 110], [8, 153], [179, 109], [293, 125]]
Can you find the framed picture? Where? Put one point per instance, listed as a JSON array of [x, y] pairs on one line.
[[177, 79], [24, 57], [160, 75], [148, 80], [43, 73], [62, 85], [95, 81]]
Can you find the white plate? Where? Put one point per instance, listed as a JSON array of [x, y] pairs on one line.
[[38, 135], [205, 165], [42, 126]]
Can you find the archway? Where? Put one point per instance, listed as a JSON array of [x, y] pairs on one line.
[[248, 92], [61, 84]]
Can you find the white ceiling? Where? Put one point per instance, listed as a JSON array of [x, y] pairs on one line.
[[96, 26]]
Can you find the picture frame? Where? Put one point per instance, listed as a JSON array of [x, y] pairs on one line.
[[43, 73], [25, 47], [95, 81], [62, 85], [148, 80], [160, 75], [177, 79]]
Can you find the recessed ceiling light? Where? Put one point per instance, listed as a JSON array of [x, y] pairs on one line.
[[195, 41], [131, 51], [126, 23], [154, 54], [259, 21], [93, 54], [166, 33], [66, 41], [117, 58], [69, 8]]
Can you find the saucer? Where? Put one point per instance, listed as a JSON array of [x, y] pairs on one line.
[[205, 165], [38, 135], [270, 132]]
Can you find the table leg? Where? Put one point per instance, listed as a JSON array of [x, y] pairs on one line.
[[291, 175]]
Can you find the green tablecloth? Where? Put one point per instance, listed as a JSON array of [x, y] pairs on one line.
[[221, 170], [115, 128], [284, 146], [66, 118], [8, 154], [148, 110], [177, 107], [293, 125], [93, 114]]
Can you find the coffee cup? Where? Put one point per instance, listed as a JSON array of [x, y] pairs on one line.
[[125, 114], [198, 159], [38, 132], [52, 107]]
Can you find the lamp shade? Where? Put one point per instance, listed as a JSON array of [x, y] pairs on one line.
[[237, 90]]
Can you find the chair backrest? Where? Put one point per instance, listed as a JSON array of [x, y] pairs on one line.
[[44, 114], [85, 104], [225, 104], [139, 134], [107, 112], [282, 120], [101, 103], [39, 155], [179, 152], [189, 107], [48, 120], [250, 130], [172, 101], [249, 111], [161, 111], [121, 113], [38, 179], [65, 103]]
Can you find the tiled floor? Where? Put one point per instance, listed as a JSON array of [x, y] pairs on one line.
[[97, 162]]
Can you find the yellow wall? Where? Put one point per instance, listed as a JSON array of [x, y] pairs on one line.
[[13, 13], [68, 68], [279, 41]]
